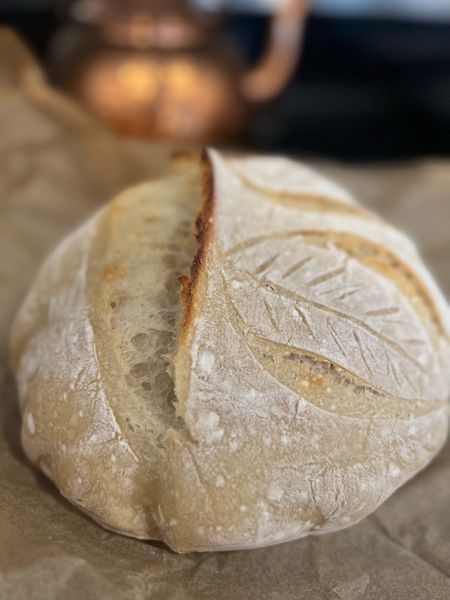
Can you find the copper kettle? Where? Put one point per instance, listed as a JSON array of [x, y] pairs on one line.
[[162, 70]]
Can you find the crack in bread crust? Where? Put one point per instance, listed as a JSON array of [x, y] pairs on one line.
[[204, 233]]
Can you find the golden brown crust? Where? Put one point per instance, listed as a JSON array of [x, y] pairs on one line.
[[113, 271], [203, 234], [185, 161]]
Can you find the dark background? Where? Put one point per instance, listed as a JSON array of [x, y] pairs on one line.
[[373, 89]]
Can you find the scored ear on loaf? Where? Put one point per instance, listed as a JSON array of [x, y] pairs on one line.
[[297, 380]]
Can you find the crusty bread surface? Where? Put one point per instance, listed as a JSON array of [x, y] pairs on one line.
[[278, 375]]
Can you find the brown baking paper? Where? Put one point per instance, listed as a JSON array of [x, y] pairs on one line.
[[56, 166]]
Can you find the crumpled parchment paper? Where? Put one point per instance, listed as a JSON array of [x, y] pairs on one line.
[[56, 167]]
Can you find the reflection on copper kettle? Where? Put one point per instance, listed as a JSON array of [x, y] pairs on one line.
[[161, 69]]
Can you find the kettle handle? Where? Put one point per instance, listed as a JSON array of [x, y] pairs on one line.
[[281, 54]]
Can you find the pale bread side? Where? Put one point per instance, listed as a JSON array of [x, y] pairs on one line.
[[90, 346]]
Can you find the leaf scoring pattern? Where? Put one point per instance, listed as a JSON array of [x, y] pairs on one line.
[[321, 301]]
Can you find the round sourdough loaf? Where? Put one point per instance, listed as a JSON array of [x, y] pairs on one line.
[[295, 381]]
